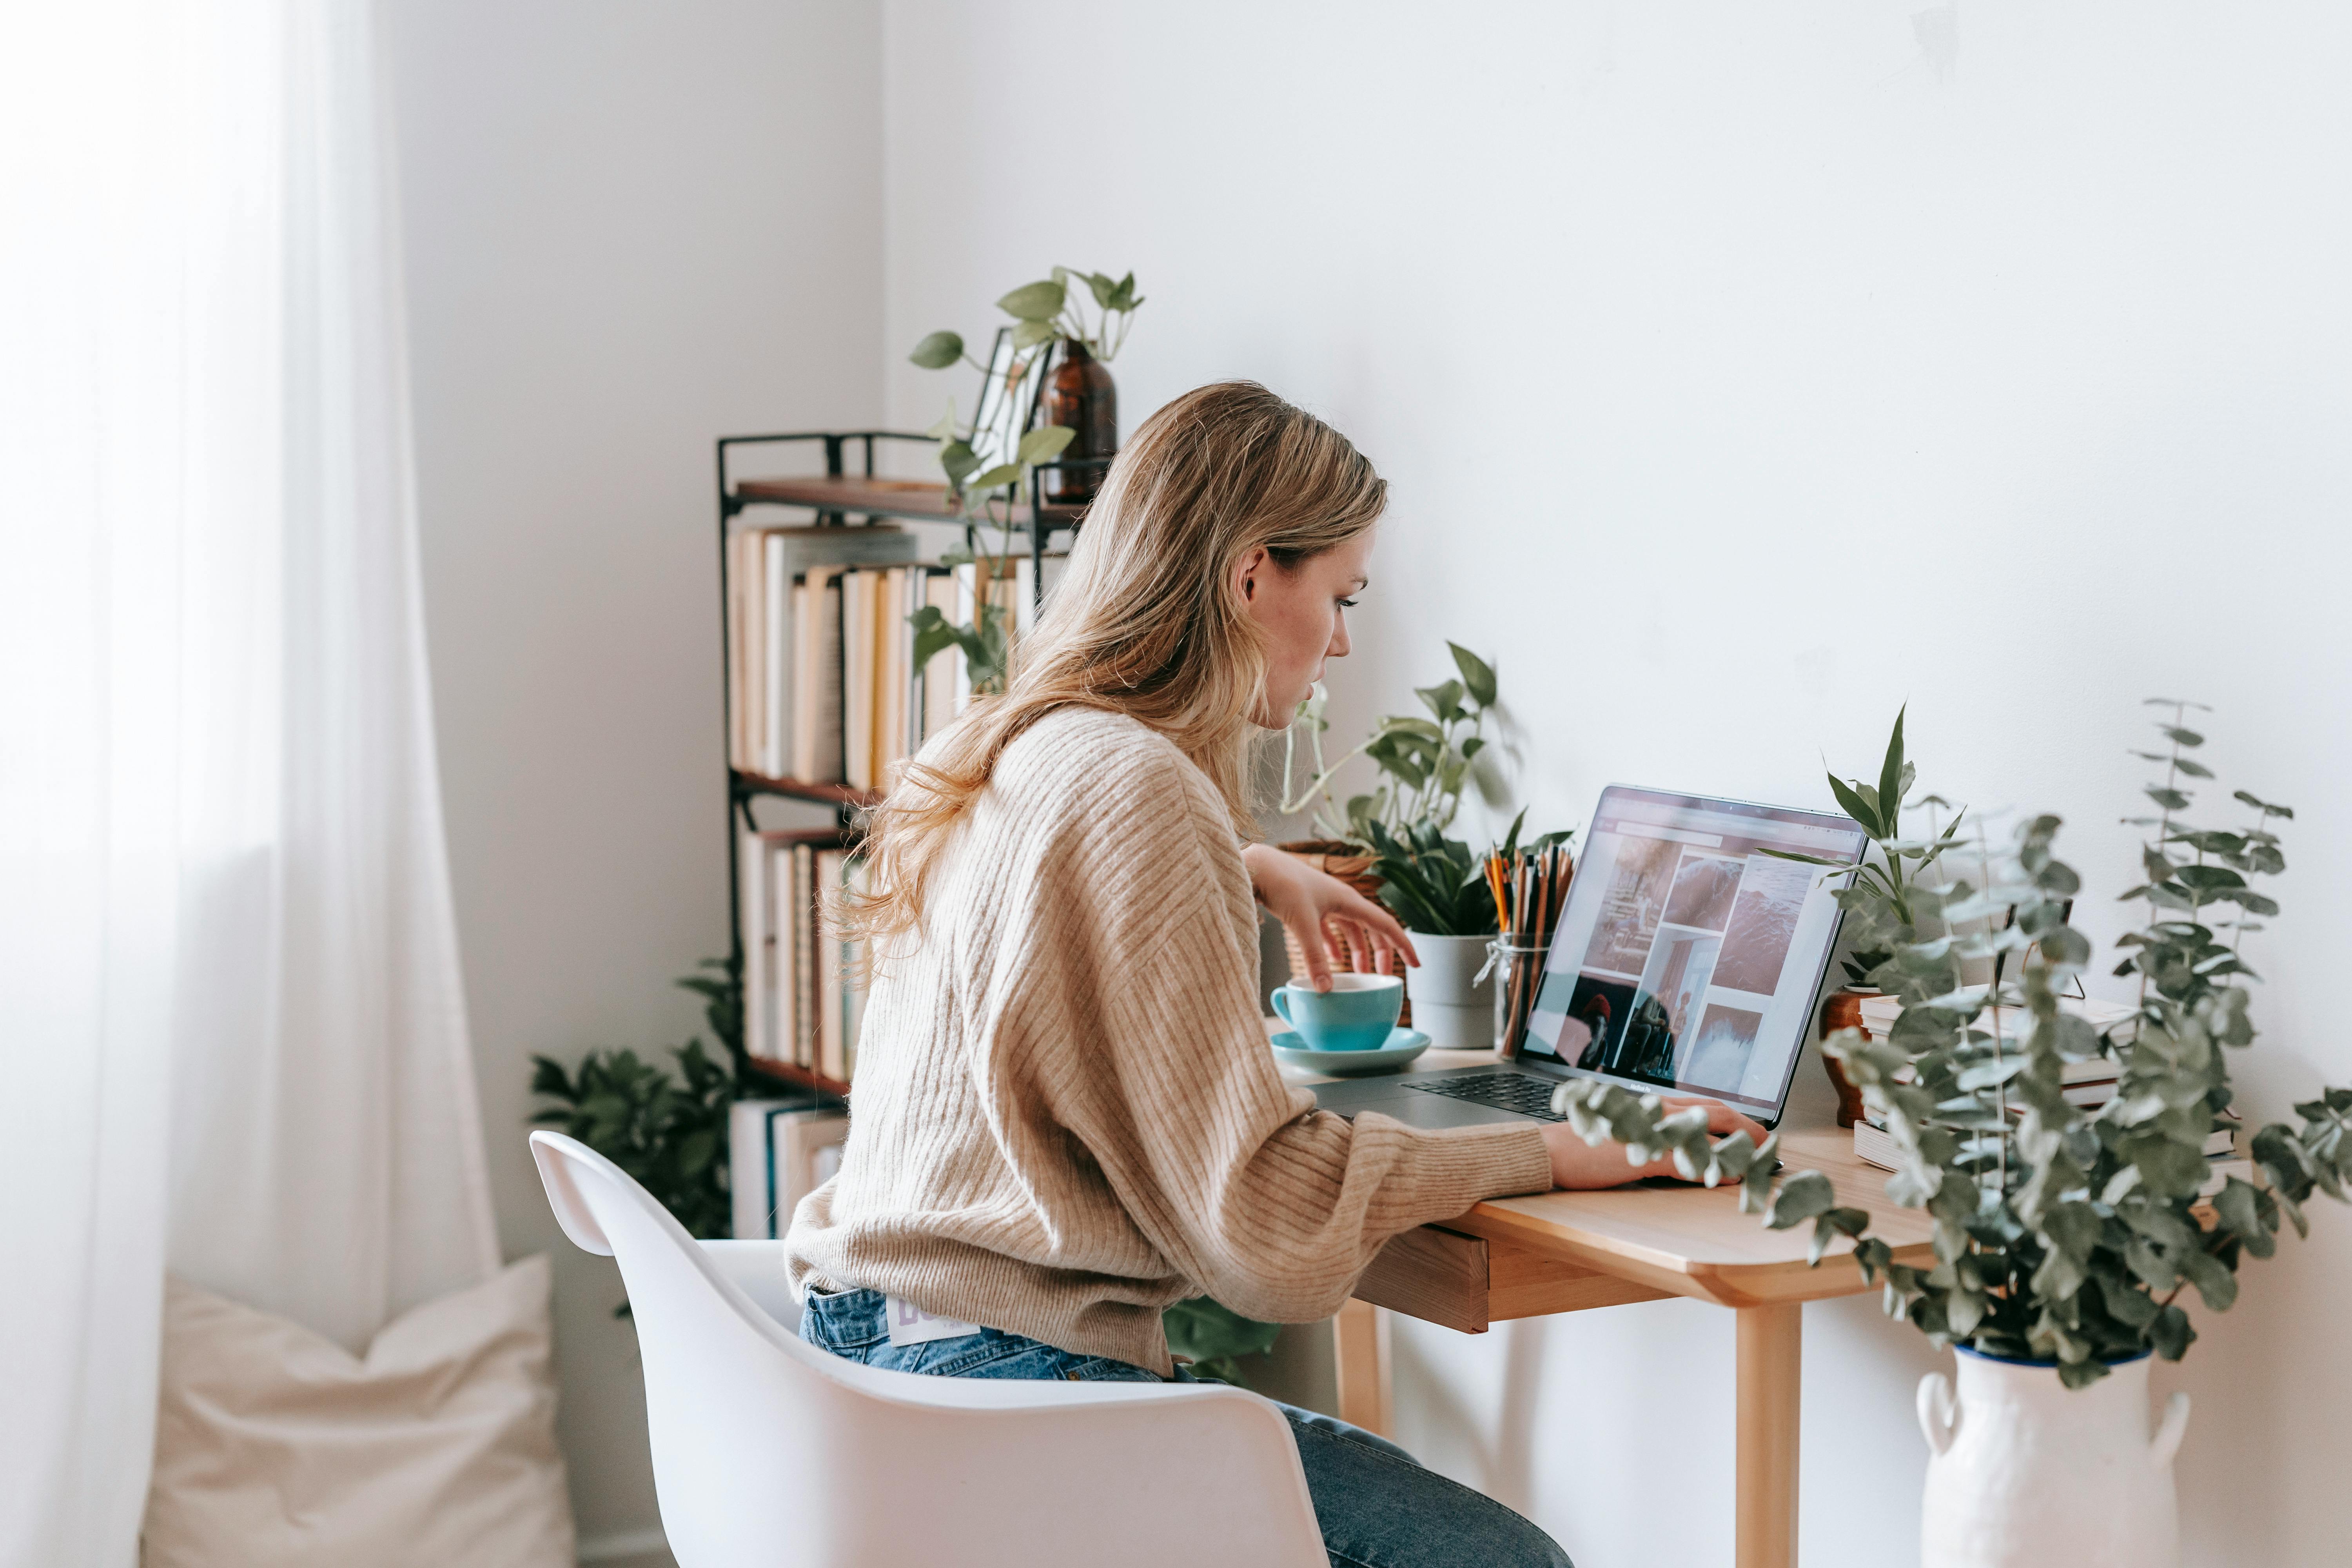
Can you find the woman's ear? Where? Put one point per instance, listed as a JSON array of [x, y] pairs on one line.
[[1246, 576]]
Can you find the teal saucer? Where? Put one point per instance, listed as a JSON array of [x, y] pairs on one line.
[[1402, 1045]]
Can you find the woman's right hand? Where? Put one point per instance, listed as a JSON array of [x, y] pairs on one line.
[[1582, 1167]]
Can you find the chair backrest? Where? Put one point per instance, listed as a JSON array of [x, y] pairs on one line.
[[770, 1453]]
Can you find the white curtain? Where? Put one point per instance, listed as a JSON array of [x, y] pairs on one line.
[[231, 1023]]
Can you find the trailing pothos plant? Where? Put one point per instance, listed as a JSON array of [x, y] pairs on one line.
[[2061, 1234], [987, 460], [1884, 903], [1423, 765]]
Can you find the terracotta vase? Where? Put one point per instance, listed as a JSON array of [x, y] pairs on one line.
[[1842, 1010], [1081, 395]]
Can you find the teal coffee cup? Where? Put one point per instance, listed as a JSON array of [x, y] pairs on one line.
[[1358, 1013]]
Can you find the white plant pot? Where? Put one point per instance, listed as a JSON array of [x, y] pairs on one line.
[[2025, 1472], [1450, 1004]]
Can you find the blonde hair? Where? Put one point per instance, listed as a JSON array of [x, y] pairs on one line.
[[1148, 622]]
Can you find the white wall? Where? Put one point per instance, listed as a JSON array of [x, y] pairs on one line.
[[630, 229], [1743, 371]]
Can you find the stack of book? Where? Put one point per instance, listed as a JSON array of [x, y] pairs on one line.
[[762, 566], [824, 689], [2089, 1084], [802, 995], [779, 1152]]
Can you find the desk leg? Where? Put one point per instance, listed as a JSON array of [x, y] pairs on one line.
[[1359, 1355], [1771, 1347]]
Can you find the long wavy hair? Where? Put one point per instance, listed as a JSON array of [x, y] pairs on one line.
[[1148, 621]]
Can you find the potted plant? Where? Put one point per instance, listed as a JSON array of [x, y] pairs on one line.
[[2069, 1243], [1435, 885], [1883, 902]]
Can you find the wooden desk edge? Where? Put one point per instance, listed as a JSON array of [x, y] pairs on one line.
[[1725, 1284]]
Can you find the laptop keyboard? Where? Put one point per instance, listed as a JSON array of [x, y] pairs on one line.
[[1522, 1092]]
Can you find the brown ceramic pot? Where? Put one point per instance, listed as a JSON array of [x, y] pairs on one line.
[[1842, 1010]]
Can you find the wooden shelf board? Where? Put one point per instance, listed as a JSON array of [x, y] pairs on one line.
[[802, 1078], [917, 498], [823, 793]]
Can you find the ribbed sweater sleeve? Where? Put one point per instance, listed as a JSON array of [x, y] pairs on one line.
[[1140, 1000]]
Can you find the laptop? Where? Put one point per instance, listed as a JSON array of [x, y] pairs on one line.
[[1685, 962]]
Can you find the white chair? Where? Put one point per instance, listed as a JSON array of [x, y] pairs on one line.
[[770, 1453]]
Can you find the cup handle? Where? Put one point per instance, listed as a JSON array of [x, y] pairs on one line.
[[1280, 1006]]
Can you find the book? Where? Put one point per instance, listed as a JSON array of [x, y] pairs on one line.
[[750, 878], [832, 1049], [767, 648], [1879, 1013], [775, 648], [774, 908], [778, 1152], [784, 951], [1872, 1142], [967, 600], [852, 977], [857, 615], [803, 911], [940, 675], [817, 751], [737, 610]]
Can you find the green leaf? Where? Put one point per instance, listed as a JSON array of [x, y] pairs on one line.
[[1854, 806], [1029, 334], [1004, 474], [1803, 1196], [2170, 799], [933, 635], [956, 460], [938, 351], [1478, 675], [1445, 700], [1890, 775], [1040, 301], [1045, 443], [1103, 289], [2180, 736]]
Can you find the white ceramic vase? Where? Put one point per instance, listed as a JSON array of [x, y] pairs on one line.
[[1450, 1003], [2025, 1472]]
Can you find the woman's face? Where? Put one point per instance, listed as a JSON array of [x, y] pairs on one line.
[[1302, 612]]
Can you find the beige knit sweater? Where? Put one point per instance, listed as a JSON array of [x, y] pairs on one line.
[[1067, 1116]]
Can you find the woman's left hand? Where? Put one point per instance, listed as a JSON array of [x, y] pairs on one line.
[[1321, 911]]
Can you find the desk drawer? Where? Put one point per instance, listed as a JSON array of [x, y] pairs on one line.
[[1466, 1282]]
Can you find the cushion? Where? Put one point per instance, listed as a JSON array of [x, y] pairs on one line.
[[274, 1446]]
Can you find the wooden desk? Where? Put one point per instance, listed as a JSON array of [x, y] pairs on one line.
[[1568, 1252]]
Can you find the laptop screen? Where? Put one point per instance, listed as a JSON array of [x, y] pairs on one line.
[[1684, 960]]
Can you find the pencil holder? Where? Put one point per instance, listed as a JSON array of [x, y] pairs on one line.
[[1518, 972]]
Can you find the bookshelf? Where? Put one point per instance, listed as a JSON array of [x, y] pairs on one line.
[[849, 494]]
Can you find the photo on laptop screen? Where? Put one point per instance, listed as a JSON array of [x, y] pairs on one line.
[[1686, 960]]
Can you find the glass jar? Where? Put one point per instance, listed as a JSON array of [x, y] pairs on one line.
[[1518, 972]]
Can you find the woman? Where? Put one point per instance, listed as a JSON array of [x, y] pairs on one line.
[[1066, 1117]]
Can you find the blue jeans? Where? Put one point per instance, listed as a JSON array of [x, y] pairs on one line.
[[1375, 1504]]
